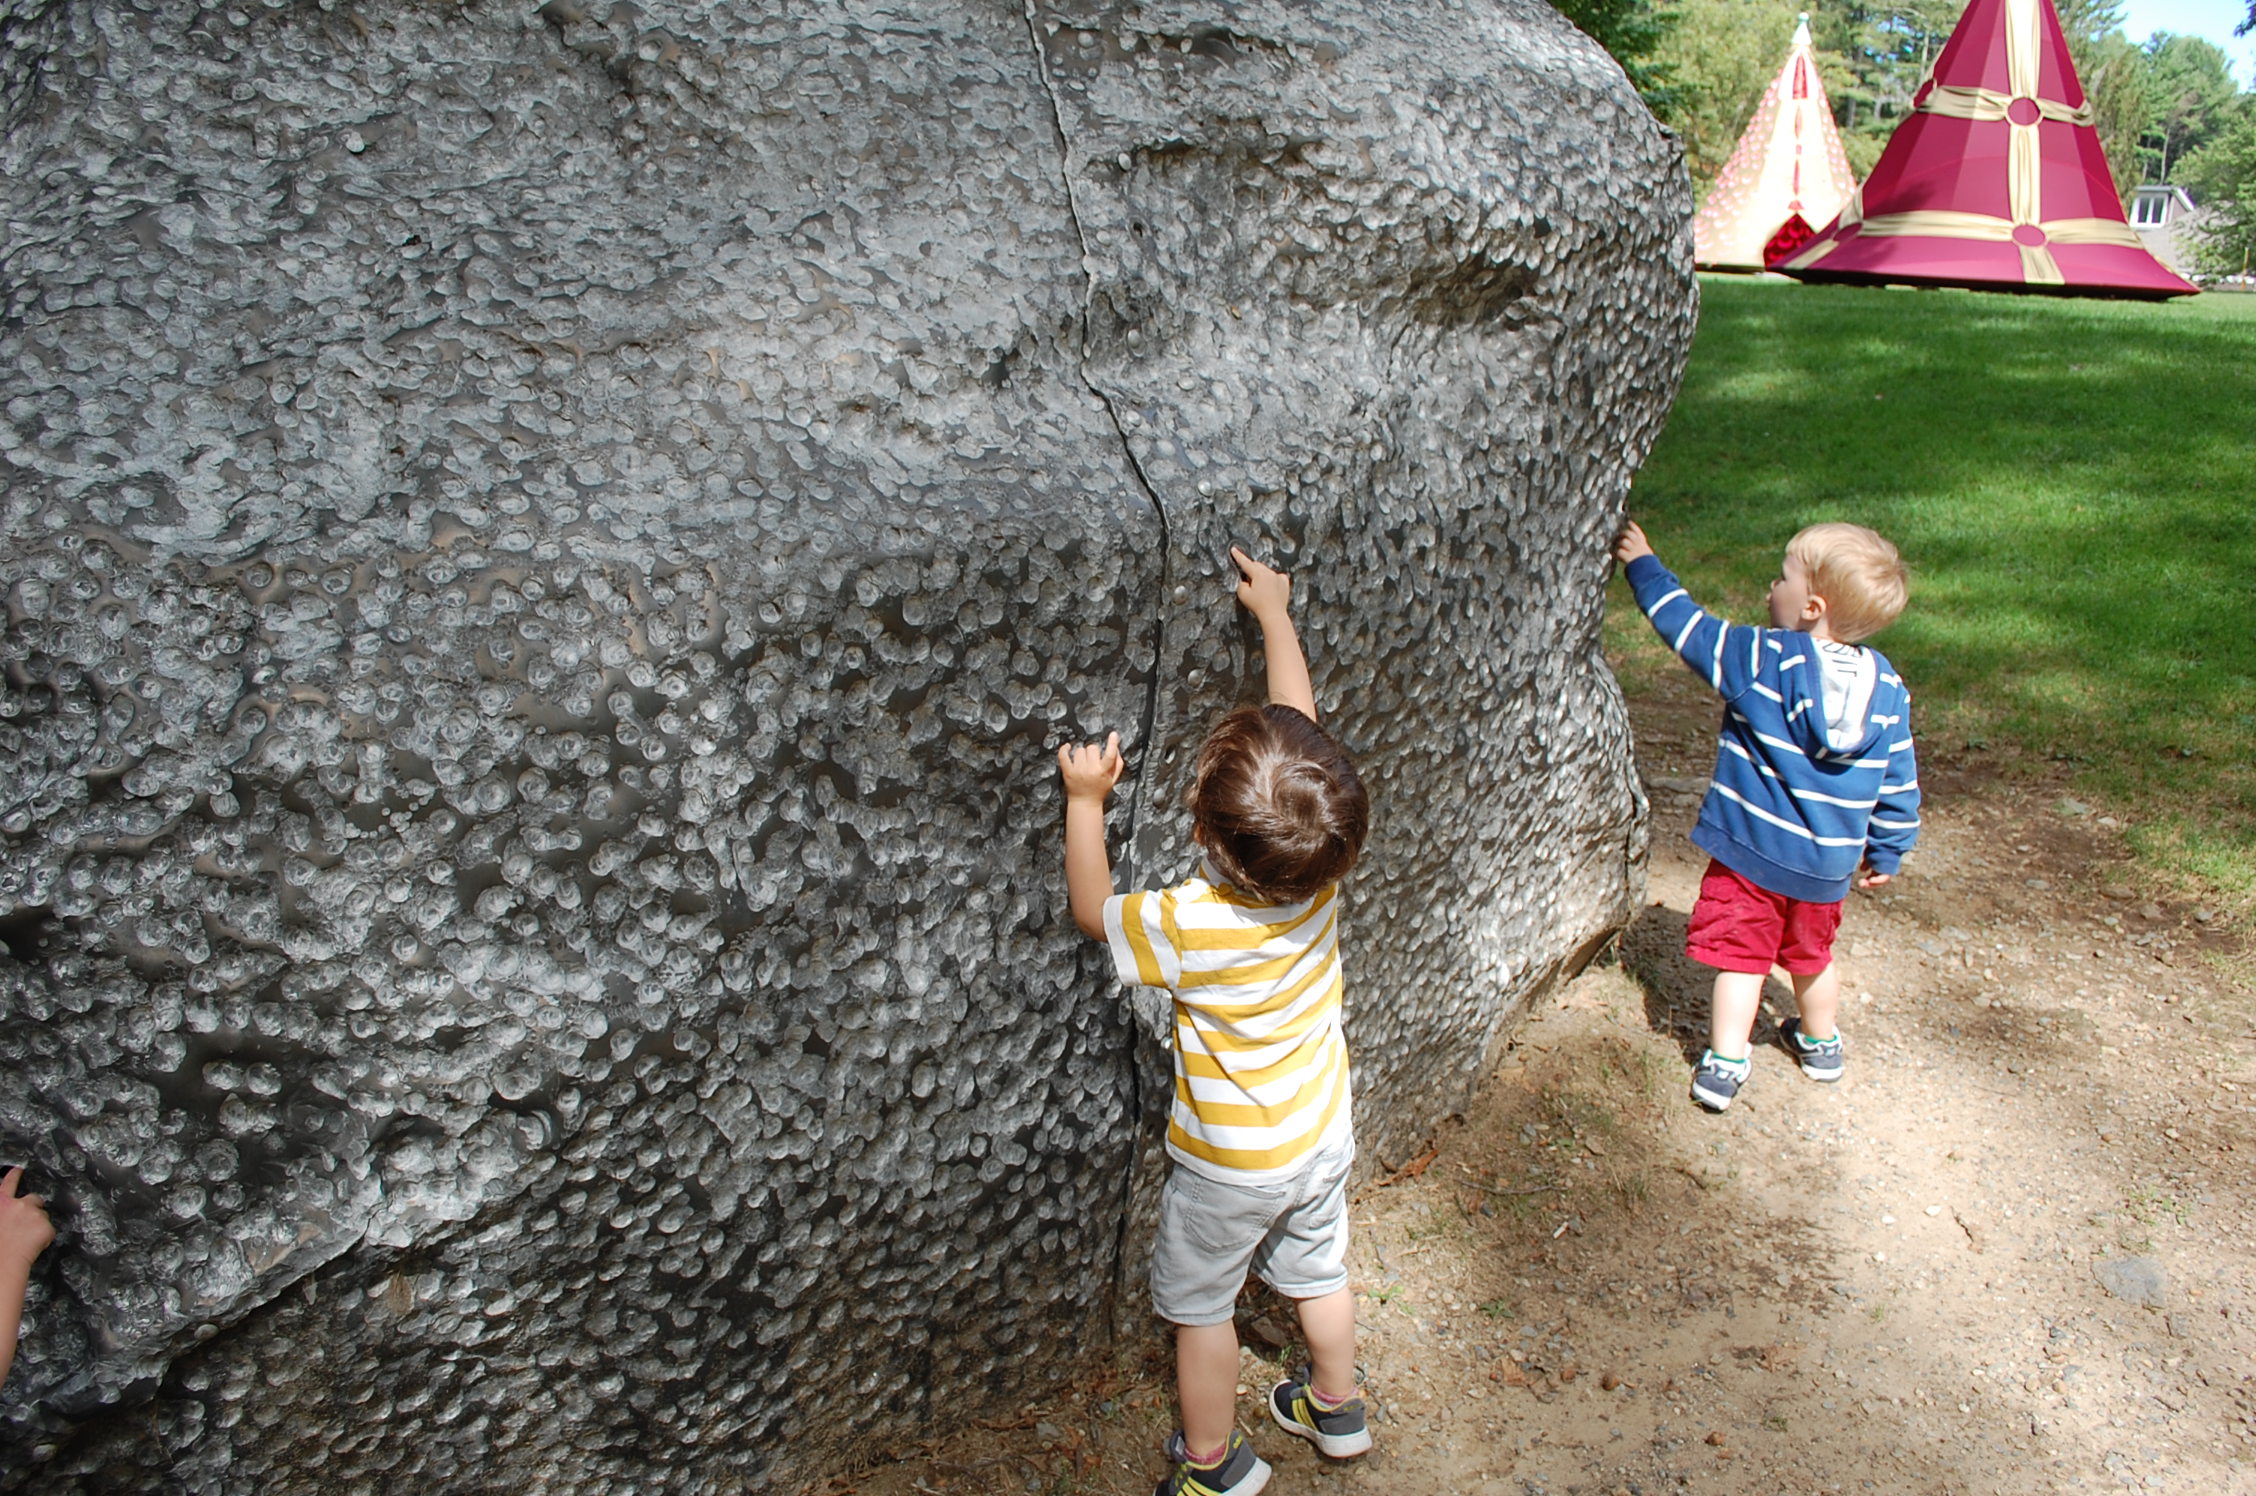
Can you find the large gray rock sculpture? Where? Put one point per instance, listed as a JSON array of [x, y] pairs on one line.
[[546, 556]]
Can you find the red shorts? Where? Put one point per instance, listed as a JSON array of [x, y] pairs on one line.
[[1739, 927]]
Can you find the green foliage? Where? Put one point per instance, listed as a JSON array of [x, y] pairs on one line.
[[1632, 31], [2069, 480], [2221, 175], [2150, 1206], [1874, 57], [2156, 107], [1721, 55], [2190, 96], [2114, 75]]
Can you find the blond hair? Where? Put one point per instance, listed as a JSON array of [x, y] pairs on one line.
[[1859, 574]]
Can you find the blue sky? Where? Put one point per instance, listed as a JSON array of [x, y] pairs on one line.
[[2211, 20]]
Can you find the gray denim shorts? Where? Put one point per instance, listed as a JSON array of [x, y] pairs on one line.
[[1292, 1231]]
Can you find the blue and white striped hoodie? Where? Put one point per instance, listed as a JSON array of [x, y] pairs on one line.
[[1792, 807]]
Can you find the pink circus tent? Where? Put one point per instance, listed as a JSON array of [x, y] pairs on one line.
[[1995, 180], [1787, 174]]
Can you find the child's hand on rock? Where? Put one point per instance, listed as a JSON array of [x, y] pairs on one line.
[[1631, 543], [1265, 591], [1090, 770], [25, 1230]]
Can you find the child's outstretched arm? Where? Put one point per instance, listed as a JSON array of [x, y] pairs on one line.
[[1089, 770], [1267, 595], [1727, 656], [24, 1233]]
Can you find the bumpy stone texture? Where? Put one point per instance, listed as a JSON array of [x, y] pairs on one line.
[[546, 556]]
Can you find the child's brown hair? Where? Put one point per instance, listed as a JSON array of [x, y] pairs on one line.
[[1859, 574], [1278, 805]]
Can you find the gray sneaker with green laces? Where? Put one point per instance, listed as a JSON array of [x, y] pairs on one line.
[[1820, 1059], [1716, 1080]]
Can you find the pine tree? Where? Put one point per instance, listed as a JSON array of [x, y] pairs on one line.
[[2221, 175], [2190, 93], [1632, 31], [1721, 55], [2115, 75]]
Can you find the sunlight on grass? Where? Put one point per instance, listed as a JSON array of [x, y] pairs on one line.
[[2074, 485]]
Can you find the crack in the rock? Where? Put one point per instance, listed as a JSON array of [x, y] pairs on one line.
[[1112, 414], [1148, 771]]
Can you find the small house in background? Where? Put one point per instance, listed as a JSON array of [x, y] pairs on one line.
[[2163, 217]]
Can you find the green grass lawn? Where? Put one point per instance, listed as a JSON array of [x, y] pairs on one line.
[[2074, 486]]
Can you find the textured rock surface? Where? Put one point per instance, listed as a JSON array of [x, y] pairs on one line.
[[544, 559]]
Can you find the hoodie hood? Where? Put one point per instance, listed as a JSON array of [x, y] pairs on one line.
[[1841, 699]]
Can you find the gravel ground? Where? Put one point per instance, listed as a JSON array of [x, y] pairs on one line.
[[2012, 1251]]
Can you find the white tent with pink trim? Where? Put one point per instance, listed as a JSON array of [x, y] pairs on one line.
[[1787, 176]]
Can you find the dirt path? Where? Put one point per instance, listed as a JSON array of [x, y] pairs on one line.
[[2013, 1251]]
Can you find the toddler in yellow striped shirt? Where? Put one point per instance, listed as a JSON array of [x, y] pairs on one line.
[[1260, 1132]]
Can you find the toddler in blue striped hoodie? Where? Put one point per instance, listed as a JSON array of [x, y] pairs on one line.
[[1815, 784]]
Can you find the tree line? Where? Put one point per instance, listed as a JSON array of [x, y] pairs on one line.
[[2167, 109]]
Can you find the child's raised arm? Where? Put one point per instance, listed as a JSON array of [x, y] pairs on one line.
[[1725, 655], [1090, 771], [1267, 595]]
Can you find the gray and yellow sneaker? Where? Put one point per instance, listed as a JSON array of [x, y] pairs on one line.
[[1340, 1433], [1240, 1472], [1820, 1059], [1716, 1080]]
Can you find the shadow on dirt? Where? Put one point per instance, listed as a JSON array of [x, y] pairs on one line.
[[1677, 988]]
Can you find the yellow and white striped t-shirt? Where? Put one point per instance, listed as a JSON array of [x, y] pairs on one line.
[[1260, 1063]]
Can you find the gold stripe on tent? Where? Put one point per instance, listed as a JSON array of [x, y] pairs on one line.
[[2038, 267], [1989, 106]]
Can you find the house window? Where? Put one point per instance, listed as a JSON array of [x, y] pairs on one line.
[[2151, 209]]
